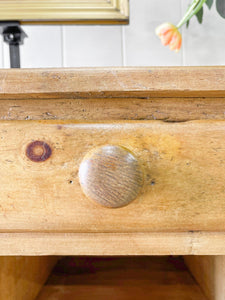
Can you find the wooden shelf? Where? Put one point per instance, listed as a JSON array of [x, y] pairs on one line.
[[121, 278]]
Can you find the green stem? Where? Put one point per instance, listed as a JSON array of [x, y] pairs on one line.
[[194, 8]]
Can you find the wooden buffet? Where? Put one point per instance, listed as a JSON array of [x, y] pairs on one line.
[[111, 162]]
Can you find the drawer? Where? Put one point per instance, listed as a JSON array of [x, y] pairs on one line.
[[175, 172]]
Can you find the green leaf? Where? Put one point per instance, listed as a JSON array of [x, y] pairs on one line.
[[209, 3], [199, 15], [220, 6]]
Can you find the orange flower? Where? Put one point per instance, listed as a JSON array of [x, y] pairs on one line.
[[169, 35]]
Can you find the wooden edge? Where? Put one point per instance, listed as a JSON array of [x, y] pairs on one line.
[[164, 109], [189, 243], [209, 272], [22, 278], [112, 82]]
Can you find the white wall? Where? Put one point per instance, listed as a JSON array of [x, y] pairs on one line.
[[132, 45]]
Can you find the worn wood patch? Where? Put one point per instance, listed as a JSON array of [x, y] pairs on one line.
[[165, 109], [183, 165], [130, 82]]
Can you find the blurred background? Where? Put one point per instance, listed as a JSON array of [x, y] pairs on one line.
[[129, 45]]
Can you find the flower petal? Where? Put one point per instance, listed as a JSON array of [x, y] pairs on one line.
[[169, 35]]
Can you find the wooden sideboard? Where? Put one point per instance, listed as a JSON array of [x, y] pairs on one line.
[[114, 161]]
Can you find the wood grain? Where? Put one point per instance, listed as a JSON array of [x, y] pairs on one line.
[[42, 203], [113, 83], [151, 243], [111, 176], [21, 278], [165, 109], [209, 272], [183, 166], [121, 279]]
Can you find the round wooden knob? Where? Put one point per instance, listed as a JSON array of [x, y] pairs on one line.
[[111, 176]]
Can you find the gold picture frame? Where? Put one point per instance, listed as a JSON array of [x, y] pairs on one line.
[[65, 11]]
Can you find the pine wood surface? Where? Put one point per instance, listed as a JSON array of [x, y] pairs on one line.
[[152, 243], [80, 83], [21, 278], [209, 272], [165, 109], [183, 166], [174, 95], [121, 278]]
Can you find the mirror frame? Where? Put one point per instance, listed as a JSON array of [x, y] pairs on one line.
[[65, 11]]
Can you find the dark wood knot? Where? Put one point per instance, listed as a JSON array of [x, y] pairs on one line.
[[38, 151], [111, 176]]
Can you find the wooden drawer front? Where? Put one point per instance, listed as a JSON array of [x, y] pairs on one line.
[[184, 177]]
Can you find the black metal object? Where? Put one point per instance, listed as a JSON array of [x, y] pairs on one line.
[[13, 35]]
